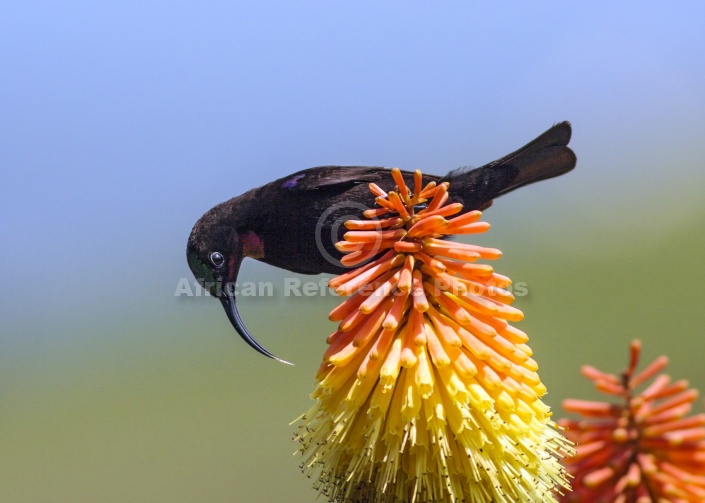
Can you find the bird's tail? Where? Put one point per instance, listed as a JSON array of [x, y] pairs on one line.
[[545, 157]]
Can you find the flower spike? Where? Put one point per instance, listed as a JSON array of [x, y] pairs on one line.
[[642, 448], [426, 392]]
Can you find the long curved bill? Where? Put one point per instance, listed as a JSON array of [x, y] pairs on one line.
[[228, 301]]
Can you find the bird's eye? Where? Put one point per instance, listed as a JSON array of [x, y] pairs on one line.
[[217, 259]]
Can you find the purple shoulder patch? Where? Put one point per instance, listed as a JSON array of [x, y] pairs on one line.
[[291, 182]]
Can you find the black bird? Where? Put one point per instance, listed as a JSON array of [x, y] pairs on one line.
[[293, 222]]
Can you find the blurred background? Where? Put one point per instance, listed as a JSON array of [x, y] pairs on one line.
[[122, 123]]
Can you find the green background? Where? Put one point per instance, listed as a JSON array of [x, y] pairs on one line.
[[121, 124]]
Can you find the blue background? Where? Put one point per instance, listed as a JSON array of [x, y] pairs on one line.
[[121, 123]]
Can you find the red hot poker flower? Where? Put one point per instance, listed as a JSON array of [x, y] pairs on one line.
[[427, 393], [643, 448]]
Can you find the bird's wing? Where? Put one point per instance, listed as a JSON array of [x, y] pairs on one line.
[[332, 178]]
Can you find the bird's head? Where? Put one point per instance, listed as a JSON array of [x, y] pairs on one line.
[[214, 251]]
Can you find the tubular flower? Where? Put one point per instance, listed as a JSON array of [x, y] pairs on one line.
[[642, 449], [426, 392]]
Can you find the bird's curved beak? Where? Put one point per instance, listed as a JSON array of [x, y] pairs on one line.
[[227, 298]]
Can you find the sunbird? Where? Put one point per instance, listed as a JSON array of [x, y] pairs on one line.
[[294, 222]]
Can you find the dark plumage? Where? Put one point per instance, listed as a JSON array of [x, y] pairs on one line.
[[293, 222]]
